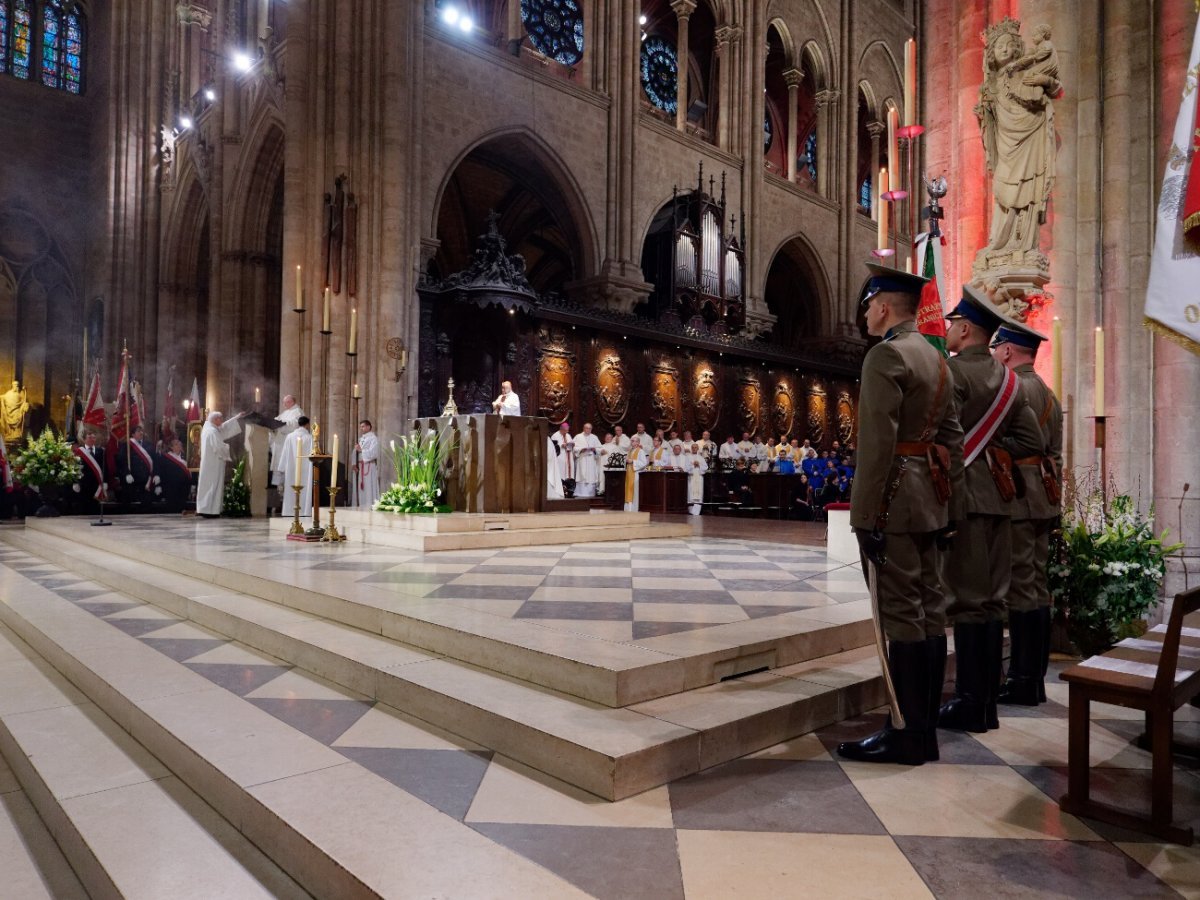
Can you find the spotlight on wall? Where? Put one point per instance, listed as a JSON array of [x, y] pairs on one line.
[[450, 14], [185, 122], [210, 95], [465, 23], [642, 19], [242, 61]]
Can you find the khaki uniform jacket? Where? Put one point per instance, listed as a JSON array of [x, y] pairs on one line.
[[1048, 414], [899, 385], [977, 380]]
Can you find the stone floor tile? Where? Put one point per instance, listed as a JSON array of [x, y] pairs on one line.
[[388, 728], [687, 597], [136, 627], [750, 866], [445, 779], [567, 609], [323, 720], [586, 583], [297, 684], [106, 609], [239, 678], [772, 795], [484, 591], [487, 579], [8, 781], [644, 630], [33, 866], [1043, 742], [702, 613], [608, 863], [807, 746], [182, 649], [620, 632], [969, 868], [1177, 866], [517, 794]]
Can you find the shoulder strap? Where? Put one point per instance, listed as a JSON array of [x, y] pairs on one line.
[[982, 432], [943, 376], [1045, 416]]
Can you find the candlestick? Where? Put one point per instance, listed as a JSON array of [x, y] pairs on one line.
[[353, 331], [333, 474], [1099, 371], [257, 396], [1056, 358], [881, 238], [908, 264], [354, 394], [325, 329], [893, 122], [297, 528], [331, 533], [910, 82], [299, 307]]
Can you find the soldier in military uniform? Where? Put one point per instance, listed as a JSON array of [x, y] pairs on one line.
[[1035, 516], [909, 456], [996, 421]]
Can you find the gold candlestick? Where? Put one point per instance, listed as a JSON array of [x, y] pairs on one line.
[[331, 533], [296, 528]]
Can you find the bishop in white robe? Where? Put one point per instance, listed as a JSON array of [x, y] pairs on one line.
[[214, 454], [587, 463], [298, 445], [554, 488], [366, 482], [566, 455], [635, 460], [695, 465], [289, 415]]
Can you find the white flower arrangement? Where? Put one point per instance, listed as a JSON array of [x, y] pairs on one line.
[[417, 462]]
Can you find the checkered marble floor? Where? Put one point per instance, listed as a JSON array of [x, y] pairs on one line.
[[615, 591], [789, 821]]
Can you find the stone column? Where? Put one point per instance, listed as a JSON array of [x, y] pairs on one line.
[[826, 144], [792, 78], [724, 55], [875, 130], [683, 12]]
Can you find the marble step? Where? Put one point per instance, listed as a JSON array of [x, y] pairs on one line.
[[127, 826], [336, 829], [607, 672], [613, 753]]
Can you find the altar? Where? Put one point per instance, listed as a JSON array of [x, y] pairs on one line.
[[493, 464]]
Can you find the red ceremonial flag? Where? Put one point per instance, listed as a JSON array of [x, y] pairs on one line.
[[1191, 202], [931, 320], [94, 414], [119, 429], [135, 405], [193, 413]]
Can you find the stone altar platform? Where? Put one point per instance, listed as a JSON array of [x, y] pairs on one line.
[[615, 667], [474, 531]]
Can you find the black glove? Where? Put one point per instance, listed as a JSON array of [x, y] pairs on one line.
[[944, 538], [873, 545]]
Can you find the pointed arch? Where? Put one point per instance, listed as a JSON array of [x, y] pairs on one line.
[[796, 289]]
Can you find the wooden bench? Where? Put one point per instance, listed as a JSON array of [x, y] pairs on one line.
[[1156, 673]]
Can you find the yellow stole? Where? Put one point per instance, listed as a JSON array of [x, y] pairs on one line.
[[630, 473]]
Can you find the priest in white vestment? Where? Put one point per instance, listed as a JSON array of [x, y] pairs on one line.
[[566, 451], [695, 465], [298, 445], [508, 403], [587, 463], [607, 449], [366, 466], [214, 454], [636, 460], [554, 488], [289, 415], [620, 438], [729, 451]]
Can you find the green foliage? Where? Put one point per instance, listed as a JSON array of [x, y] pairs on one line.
[[236, 504], [1106, 570], [417, 462], [47, 461]]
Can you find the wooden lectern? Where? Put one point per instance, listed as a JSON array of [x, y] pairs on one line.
[[495, 464]]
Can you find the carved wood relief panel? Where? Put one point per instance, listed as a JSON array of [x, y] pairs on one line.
[[664, 395], [749, 404], [612, 387], [555, 382], [818, 413], [846, 418], [706, 398], [783, 410]]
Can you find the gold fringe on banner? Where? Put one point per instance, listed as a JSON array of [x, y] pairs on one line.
[[1194, 219], [1171, 334]]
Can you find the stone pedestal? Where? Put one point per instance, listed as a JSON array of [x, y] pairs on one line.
[[1011, 276], [257, 439]]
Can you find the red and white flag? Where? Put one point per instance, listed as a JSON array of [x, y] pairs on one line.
[[94, 414], [119, 430], [193, 413], [137, 407], [1171, 307]]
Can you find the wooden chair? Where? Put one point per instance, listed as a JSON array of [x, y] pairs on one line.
[[1156, 673]]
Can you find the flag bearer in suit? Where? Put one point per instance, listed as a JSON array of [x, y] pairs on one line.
[[91, 487], [910, 457]]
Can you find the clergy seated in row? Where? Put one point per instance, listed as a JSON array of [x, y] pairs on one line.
[[296, 468]]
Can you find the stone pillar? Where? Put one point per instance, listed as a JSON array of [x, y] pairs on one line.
[[826, 144], [875, 130], [723, 36], [683, 12], [792, 78]]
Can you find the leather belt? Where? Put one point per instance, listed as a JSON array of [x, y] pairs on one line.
[[913, 448], [1028, 461]]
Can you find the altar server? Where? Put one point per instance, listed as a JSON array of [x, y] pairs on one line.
[[299, 444], [695, 465], [214, 454], [566, 456], [366, 483], [289, 414], [587, 463]]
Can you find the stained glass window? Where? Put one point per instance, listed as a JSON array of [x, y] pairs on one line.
[[22, 39], [808, 159], [3, 36], [555, 28], [51, 50], [72, 65], [864, 194], [660, 73], [768, 134]]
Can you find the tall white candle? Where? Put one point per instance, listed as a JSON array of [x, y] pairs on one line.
[[299, 464], [1099, 370], [882, 233], [893, 123], [299, 292], [257, 396], [910, 82], [325, 313], [1056, 357], [354, 330], [333, 475]]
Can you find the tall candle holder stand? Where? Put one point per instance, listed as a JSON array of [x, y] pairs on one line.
[[331, 534], [325, 335], [315, 532], [300, 354], [297, 528], [352, 424], [1101, 442], [908, 135]]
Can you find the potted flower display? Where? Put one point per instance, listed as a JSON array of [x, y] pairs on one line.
[[1106, 570], [418, 487], [47, 464]]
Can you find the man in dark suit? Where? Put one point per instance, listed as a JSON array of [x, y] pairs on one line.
[[136, 470], [175, 478], [91, 489]]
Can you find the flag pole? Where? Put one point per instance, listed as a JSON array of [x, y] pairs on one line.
[[128, 390]]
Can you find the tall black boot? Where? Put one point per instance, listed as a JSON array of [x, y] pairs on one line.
[[967, 709], [1047, 622], [995, 670], [1025, 659], [937, 677], [908, 662]]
